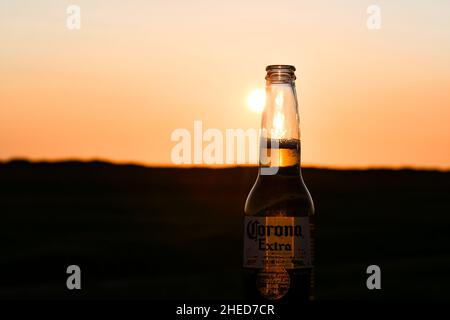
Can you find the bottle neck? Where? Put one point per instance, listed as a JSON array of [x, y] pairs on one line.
[[280, 134]]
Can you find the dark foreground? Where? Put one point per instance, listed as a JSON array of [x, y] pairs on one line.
[[140, 232]]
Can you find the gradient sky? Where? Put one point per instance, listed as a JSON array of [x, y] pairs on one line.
[[137, 70]]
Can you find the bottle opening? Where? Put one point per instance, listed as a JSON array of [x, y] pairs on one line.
[[280, 73]]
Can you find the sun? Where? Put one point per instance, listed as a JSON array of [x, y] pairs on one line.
[[256, 100]]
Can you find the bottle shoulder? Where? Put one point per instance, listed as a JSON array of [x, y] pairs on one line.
[[275, 195]]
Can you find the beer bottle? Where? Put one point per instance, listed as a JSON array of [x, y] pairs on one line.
[[278, 226]]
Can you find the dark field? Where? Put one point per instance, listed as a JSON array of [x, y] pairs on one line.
[[157, 233]]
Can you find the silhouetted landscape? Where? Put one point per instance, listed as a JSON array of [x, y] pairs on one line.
[[169, 233]]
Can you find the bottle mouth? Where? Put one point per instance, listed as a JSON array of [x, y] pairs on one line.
[[280, 73]]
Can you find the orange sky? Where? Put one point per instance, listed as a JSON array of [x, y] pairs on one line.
[[137, 70]]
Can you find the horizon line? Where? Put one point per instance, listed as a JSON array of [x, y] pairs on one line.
[[218, 166]]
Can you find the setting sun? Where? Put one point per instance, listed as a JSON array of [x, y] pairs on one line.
[[256, 100]]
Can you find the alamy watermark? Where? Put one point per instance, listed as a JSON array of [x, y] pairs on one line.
[[373, 21], [374, 280], [73, 20], [214, 147], [74, 280]]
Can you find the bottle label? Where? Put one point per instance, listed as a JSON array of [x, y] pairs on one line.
[[277, 242]]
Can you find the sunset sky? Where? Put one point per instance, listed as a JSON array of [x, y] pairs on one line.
[[137, 70]]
